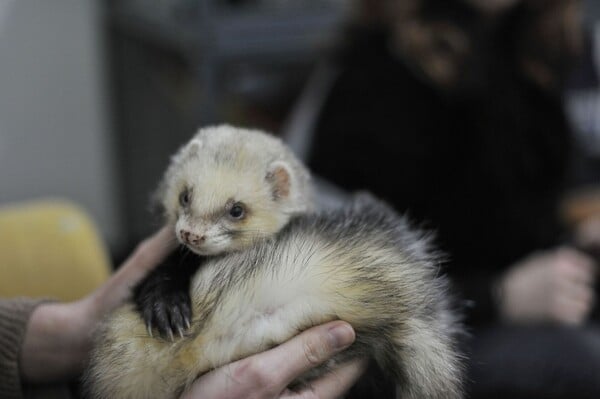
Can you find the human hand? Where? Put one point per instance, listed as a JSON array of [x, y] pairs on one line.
[[147, 255], [556, 286], [59, 335], [267, 375]]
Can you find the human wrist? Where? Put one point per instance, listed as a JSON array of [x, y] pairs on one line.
[[56, 343], [15, 314]]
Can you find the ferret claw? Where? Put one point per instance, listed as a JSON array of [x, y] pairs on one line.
[[149, 328], [171, 336], [187, 323], [180, 332]]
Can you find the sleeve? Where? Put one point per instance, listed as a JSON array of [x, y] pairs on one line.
[[14, 317]]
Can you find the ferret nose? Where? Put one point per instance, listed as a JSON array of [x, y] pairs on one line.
[[191, 238]]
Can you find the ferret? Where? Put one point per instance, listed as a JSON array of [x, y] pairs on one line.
[[362, 263], [222, 191]]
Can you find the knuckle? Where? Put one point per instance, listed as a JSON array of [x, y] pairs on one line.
[[315, 351], [254, 371], [241, 369]]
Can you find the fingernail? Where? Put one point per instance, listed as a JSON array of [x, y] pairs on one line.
[[341, 336]]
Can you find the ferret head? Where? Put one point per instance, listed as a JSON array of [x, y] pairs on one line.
[[228, 187]]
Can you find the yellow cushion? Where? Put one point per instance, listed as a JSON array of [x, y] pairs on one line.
[[49, 249]]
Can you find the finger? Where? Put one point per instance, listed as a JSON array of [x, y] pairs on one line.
[[146, 256], [340, 380], [577, 291], [582, 274], [570, 311], [271, 371], [334, 384], [231, 381], [577, 265], [307, 350], [153, 250]]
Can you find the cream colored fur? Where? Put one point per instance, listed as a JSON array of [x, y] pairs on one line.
[[225, 163], [362, 264], [248, 301]]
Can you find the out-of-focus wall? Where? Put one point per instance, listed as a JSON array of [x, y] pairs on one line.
[[54, 137]]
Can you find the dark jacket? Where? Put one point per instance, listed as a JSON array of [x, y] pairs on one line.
[[483, 166]]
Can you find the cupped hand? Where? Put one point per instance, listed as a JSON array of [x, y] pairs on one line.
[[555, 286], [59, 335], [267, 375]]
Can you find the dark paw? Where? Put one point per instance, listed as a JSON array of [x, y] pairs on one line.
[[169, 313], [163, 297]]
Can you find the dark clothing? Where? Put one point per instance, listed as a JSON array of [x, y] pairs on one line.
[[484, 168], [536, 362]]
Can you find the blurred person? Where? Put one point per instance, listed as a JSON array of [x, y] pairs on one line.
[[452, 110], [44, 345]]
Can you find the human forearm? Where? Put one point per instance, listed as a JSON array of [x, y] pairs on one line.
[[56, 342]]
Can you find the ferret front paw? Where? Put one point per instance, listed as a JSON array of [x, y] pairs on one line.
[[168, 312]]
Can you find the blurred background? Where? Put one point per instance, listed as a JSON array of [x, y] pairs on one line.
[[95, 95]]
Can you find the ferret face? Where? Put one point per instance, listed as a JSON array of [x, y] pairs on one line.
[[217, 208]]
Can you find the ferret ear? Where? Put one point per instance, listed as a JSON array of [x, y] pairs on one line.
[[280, 180], [189, 149], [194, 147]]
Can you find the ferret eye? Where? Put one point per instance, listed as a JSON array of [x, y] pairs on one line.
[[237, 211], [184, 198]]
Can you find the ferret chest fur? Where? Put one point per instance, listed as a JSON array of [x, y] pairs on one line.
[[362, 265], [224, 190], [279, 270]]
